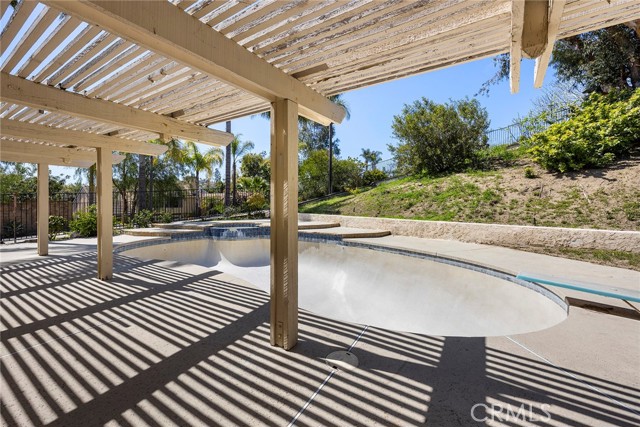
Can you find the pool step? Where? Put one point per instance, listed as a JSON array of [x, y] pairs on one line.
[[350, 233], [302, 225], [317, 225], [178, 226], [313, 227], [160, 232]]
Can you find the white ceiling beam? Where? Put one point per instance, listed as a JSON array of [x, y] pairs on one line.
[[515, 57], [535, 28], [17, 90], [14, 151], [542, 62], [35, 159], [35, 132], [167, 30]]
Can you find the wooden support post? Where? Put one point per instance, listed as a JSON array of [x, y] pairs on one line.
[[104, 174], [284, 223], [517, 23], [43, 209]]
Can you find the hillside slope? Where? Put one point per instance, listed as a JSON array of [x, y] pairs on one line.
[[600, 198]]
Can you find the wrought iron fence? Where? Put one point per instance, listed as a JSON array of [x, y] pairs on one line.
[[512, 133], [388, 167], [18, 212]]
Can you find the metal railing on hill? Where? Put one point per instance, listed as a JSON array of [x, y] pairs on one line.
[[511, 134]]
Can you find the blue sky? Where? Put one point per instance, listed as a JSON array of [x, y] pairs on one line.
[[373, 108]]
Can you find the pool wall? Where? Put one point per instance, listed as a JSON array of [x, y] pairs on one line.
[[337, 280]]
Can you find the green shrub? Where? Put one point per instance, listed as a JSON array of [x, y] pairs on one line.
[[164, 217], [85, 223], [603, 129], [529, 173], [212, 206], [256, 202], [143, 219], [374, 175], [57, 225], [434, 138]]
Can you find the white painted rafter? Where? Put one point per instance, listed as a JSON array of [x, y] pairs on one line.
[[35, 132], [24, 92], [168, 30], [14, 151], [542, 62], [515, 57]]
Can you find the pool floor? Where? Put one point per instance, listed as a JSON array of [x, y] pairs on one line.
[[168, 344]]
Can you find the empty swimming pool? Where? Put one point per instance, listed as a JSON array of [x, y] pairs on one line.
[[383, 287]]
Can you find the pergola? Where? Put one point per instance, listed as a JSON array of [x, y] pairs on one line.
[[82, 79]]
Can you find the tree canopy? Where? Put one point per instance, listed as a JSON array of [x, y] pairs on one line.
[[256, 165], [436, 138]]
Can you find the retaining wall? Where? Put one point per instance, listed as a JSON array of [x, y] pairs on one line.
[[494, 234]]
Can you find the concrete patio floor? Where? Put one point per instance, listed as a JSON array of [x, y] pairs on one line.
[[169, 344]]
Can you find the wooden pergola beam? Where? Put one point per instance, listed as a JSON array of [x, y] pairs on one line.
[[43, 209], [36, 132], [517, 24], [542, 62], [104, 180], [167, 30], [17, 90], [535, 28], [13, 151], [35, 159]]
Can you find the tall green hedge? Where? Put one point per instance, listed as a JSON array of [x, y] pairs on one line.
[[604, 128]]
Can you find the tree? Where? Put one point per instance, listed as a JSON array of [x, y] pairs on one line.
[[20, 178], [199, 161], [90, 174], [143, 171], [313, 136], [600, 60], [218, 185], [256, 164], [314, 171], [125, 179], [597, 61], [238, 149], [255, 184], [371, 158], [436, 138]]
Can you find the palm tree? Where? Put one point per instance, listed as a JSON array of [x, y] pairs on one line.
[[255, 184], [175, 153], [201, 162], [238, 149], [371, 158]]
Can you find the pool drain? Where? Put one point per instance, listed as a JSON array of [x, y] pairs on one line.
[[342, 360]]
